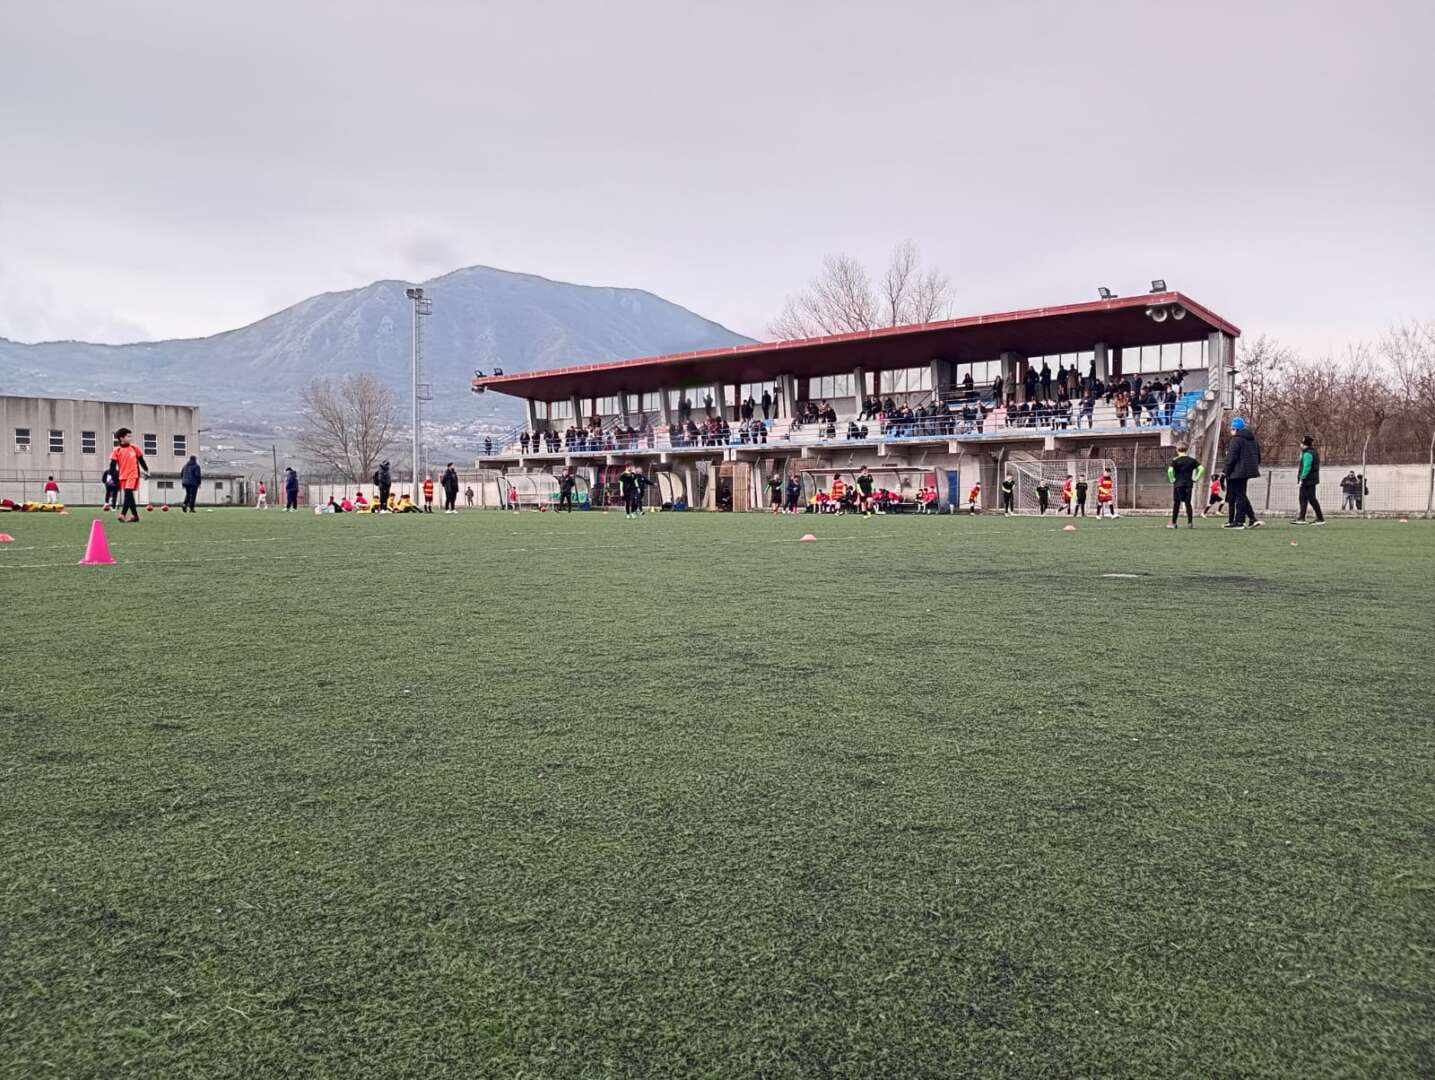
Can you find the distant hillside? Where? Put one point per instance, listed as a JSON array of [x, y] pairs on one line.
[[249, 379]]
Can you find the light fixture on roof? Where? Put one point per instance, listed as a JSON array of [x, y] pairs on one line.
[[498, 371], [478, 373], [1105, 293], [1177, 311], [1158, 284], [1157, 313]]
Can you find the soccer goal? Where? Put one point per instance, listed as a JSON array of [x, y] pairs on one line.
[[1029, 475]]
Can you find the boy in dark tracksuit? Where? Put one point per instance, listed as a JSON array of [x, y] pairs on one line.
[[1183, 473], [1043, 495], [566, 483], [628, 481], [1008, 491], [1309, 476], [1079, 507]]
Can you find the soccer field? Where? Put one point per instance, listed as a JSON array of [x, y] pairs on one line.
[[498, 795]]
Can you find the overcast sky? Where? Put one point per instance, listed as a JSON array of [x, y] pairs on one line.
[[179, 168]]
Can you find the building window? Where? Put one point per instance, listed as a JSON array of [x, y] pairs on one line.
[[151, 444], [165, 485], [219, 485], [755, 390], [606, 406], [829, 386], [652, 403], [981, 371], [87, 442], [179, 441], [560, 410], [22, 440], [57, 441], [906, 380]]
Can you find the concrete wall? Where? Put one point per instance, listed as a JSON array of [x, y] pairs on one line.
[[89, 491], [72, 418]]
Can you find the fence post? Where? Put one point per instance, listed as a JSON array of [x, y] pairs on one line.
[[1135, 459], [1360, 495], [1270, 478], [1430, 498]]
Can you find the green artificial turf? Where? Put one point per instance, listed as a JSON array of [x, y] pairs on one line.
[[498, 795]]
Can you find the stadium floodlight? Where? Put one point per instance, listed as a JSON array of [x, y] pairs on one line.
[[1158, 284], [478, 373], [1105, 293], [423, 307], [498, 371]]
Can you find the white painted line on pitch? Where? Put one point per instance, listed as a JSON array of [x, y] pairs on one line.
[[1122, 575]]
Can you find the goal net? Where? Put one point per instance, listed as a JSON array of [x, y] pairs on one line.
[[1029, 475]]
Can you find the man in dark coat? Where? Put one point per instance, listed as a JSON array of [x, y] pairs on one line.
[[1243, 464], [383, 480], [291, 490], [189, 479], [449, 482]]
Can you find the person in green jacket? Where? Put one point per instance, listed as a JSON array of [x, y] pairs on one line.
[[1309, 477], [1184, 472]]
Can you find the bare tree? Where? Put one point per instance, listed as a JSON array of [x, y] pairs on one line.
[[348, 424], [842, 299], [1410, 350]]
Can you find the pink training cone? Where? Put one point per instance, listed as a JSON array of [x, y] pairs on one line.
[[6, 538], [97, 551], [809, 536]]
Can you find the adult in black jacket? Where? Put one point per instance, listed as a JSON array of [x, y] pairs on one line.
[[291, 490], [566, 483], [1243, 464], [384, 481], [189, 479], [449, 483]]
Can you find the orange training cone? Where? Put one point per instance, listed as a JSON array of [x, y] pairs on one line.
[[97, 551]]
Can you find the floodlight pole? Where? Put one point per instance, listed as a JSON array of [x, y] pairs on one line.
[[421, 308]]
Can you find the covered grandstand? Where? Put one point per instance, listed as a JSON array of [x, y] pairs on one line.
[[959, 399]]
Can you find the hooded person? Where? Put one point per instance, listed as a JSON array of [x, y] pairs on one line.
[[1243, 464], [449, 483], [291, 490], [383, 480]]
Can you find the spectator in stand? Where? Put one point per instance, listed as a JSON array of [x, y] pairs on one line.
[[997, 390], [1243, 464], [1350, 491], [523, 442], [1045, 380], [969, 391], [52, 491], [487, 446], [1122, 402], [767, 404], [1088, 408]]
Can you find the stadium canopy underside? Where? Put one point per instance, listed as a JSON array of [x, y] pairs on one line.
[[1116, 325]]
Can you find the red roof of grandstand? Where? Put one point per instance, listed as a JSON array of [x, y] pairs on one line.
[[1119, 322]]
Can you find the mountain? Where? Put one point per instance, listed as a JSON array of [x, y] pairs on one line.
[[249, 379]]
